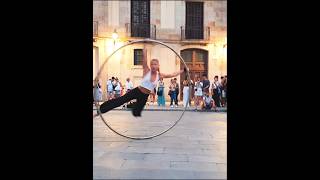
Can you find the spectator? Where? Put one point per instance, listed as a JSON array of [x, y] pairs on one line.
[[160, 93], [186, 102], [117, 88], [216, 91], [208, 102], [198, 92], [129, 85], [224, 92], [177, 91], [97, 92], [206, 84], [172, 93], [110, 88]]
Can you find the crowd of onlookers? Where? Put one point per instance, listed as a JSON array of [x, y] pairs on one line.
[[204, 94]]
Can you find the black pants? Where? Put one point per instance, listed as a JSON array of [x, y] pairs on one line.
[[216, 98], [133, 94], [177, 96]]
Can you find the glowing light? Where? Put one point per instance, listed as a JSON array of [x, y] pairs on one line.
[[115, 35]]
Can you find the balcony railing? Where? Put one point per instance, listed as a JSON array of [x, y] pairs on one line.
[[141, 30], [95, 28], [195, 33]]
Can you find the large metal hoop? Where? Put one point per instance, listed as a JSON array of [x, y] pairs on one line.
[[188, 76]]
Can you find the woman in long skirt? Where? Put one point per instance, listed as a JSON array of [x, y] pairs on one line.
[[186, 94], [160, 93]]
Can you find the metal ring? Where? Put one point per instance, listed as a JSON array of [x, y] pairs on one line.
[[188, 76]]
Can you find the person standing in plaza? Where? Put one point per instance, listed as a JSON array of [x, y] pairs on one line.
[[223, 93], [129, 85], [110, 88], [177, 91], [117, 88], [160, 93], [216, 91], [186, 102], [97, 92], [206, 84], [198, 92], [172, 93]]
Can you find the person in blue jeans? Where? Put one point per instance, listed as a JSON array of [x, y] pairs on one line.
[[173, 93]]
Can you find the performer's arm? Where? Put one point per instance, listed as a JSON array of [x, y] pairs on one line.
[[145, 66], [173, 74]]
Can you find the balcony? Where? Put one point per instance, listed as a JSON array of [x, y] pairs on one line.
[[195, 34], [136, 30]]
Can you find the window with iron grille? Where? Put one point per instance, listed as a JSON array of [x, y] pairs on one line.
[[140, 18], [137, 57], [194, 20]]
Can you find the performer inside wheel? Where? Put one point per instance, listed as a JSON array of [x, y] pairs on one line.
[[151, 75]]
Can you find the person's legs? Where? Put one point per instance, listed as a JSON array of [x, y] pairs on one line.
[[160, 100], [200, 100], [139, 105], [113, 103], [197, 101], [176, 99], [216, 99], [171, 99], [219, 101], [163, 101]]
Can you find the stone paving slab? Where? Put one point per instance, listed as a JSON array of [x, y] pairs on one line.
[[168, 108], [194, 149]]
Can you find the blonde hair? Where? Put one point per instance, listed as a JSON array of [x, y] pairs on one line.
[[157, 62]]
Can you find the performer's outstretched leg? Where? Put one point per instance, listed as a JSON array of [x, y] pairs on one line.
[[113, 103]]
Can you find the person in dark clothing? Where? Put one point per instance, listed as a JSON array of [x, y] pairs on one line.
[[177, 91], [206, 84], [216, 91]]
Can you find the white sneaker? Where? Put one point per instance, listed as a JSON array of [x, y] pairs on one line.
[[171, 106], [176, 106]]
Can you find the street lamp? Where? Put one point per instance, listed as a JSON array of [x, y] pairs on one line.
[[114, 36]]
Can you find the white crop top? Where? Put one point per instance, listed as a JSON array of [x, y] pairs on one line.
[[146, 81]]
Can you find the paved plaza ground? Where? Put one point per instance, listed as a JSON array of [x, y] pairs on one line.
[[195, 148]]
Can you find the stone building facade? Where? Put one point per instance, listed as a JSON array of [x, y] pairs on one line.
[[197, 29]]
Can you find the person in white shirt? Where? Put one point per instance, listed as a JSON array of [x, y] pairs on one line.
[[151, 75], [198, 92], [129, 85], [186, 102], [110, 88], [117, 88]]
